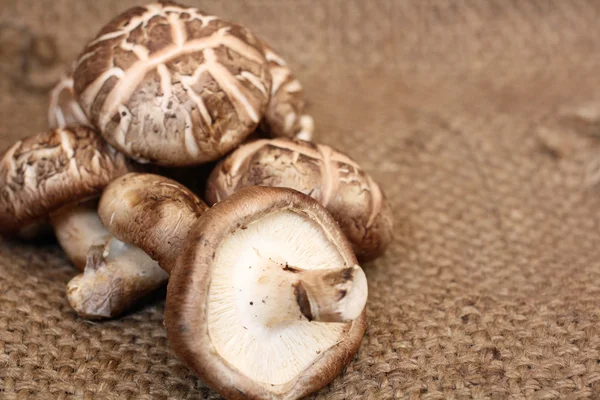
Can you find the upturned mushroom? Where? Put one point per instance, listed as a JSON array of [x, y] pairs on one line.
[[332, 178], [284, 116], [266, 299], [50, 174], [172, 85]]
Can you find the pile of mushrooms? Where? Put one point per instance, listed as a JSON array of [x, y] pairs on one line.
[[265, 295]]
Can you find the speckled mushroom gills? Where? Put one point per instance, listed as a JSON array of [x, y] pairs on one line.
[[332, 178], [172, 85], [42, 173], [267, 299]]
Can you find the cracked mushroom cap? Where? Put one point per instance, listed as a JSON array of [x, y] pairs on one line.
[[284, 116], [253, 273], [63, 109], [332, 178], [45, 172], [172, 85]]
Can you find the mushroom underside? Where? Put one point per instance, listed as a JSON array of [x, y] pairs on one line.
[[254, 313]]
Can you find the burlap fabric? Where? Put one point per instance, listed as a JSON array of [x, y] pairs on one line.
[[481, 121]]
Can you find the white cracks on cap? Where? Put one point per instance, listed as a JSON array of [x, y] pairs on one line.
[[56, 117], [9, 163], [271, 56], [79, 114], [86, 99], [112, 35], [178, 34], [191, 144], [112, 218], [245, 152], [238, 46], [278, 77], [187, 82], [367, 185], [254, 80], [196, 98], [65, 143], [254, 316], [293, 86], [329, 176], [141, 52], [307, 128], [165, 85], [154, 10], [289, 121], [237, 93], [376, 200], [131, 78], [194, 14]]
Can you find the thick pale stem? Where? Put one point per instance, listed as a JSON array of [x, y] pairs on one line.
[[325, 295], [115, 274], [115, 277], [77, 228]]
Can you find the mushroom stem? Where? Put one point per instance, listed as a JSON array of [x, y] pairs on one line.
[[323, 295], [332, 295], [77, 228], [116, 275]]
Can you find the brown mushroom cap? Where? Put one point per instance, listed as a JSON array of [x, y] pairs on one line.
[[172, 85], [47, 171], [284, 361], [283, 117], [330, 177], [63, 109], [152, 212]]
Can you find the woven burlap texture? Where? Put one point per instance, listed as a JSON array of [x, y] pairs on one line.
[[480, 120]]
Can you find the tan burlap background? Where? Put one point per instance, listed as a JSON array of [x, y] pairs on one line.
[[481, 121]]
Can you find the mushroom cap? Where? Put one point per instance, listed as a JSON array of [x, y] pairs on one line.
[[301, 356], [52, 169], [172, 85], [152, 212], [332, 178], [63, 109], [283, 117]]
